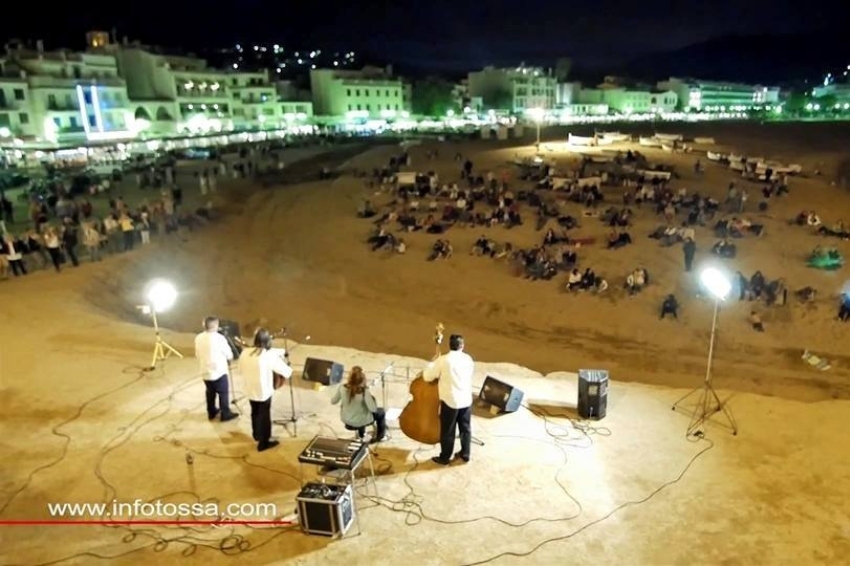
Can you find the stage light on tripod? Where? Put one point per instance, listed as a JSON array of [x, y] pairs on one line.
[[161, 295], [716, 282]]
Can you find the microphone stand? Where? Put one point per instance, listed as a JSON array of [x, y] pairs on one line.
[[293, 419], [384, 373]]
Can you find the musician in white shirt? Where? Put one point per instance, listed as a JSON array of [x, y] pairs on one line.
[[214, 353], [258, 365], [454, 370]]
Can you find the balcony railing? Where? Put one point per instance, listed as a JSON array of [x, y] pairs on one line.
[[202, 94], [46, 81], [62, 107]]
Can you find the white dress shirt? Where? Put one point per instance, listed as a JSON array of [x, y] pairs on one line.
[[454, 370], [258, 368], [213, 353]]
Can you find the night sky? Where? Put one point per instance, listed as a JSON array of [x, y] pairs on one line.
[[442, 33]]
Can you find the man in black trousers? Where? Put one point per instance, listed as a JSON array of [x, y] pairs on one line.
[[259, 365], [454, 370]]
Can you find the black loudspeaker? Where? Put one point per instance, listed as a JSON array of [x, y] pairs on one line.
[[322, 371], [499, 394], [592, 393]]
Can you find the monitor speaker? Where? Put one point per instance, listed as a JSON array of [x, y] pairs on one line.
[[499, 394], [592, 393], [322, 371]]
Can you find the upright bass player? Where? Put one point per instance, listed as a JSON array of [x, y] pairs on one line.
[[454, 370]]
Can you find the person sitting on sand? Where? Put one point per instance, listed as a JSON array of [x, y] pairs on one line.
[[636, 280], [755, 321], [574, 280], [844, 308], [588, 279], [670, 306], [724, 248]]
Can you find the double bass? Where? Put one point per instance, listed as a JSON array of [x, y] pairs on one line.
[[420, 419]]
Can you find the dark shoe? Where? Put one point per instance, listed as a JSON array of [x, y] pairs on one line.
[[214, 415], [264, 447], [378, 439], [229, 417], [460, 456], [438, 460]]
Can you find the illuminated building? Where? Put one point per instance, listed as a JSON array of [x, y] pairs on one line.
[[715, 96], [519, 88], [371, 93], [73, 97], [179, 94], [841, 92], [16, 117]]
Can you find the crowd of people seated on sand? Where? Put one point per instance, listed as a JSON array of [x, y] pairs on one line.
[[585, 281], [671, 235], [484, 246], [811, 218], [737, 228], [759, 288]]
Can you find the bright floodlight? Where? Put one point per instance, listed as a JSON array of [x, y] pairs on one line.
[[161, 295], [716, 282], [536, 113]]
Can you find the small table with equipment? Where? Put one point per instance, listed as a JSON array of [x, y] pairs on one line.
[[328, 509]]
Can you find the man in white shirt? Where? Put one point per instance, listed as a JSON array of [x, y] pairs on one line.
[[258, 365], [213, 353], [454, 370]]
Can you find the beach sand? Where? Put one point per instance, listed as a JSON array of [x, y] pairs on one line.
[[83, 423]]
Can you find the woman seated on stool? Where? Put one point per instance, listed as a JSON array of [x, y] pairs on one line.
[[358, 408]]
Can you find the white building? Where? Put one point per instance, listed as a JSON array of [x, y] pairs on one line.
[[178, 94], [717, 96], [521, 88], [841, 92], [371, 93], [70, 97], [255, 100], [16, 117]]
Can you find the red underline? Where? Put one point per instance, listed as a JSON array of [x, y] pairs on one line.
[[23, 522]]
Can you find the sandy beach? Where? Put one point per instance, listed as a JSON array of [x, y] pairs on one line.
[[82, 422]]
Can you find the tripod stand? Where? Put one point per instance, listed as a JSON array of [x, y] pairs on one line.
[[709, 402], [161, 349]]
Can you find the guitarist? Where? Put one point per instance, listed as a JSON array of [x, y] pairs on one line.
[[259, 365], [454, 370]]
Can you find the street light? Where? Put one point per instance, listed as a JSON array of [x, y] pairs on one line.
[[717, 283], [537, 115], [160, 296]]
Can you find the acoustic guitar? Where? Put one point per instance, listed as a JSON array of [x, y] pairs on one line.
[[420, 418]]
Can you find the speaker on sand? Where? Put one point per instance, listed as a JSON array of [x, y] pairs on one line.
[[592, 393], [322, 371], [499, 394]]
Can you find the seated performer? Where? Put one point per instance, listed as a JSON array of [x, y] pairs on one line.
[[358, 408]]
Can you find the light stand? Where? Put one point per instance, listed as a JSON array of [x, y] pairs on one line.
[[161, 349], [709, 402]]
